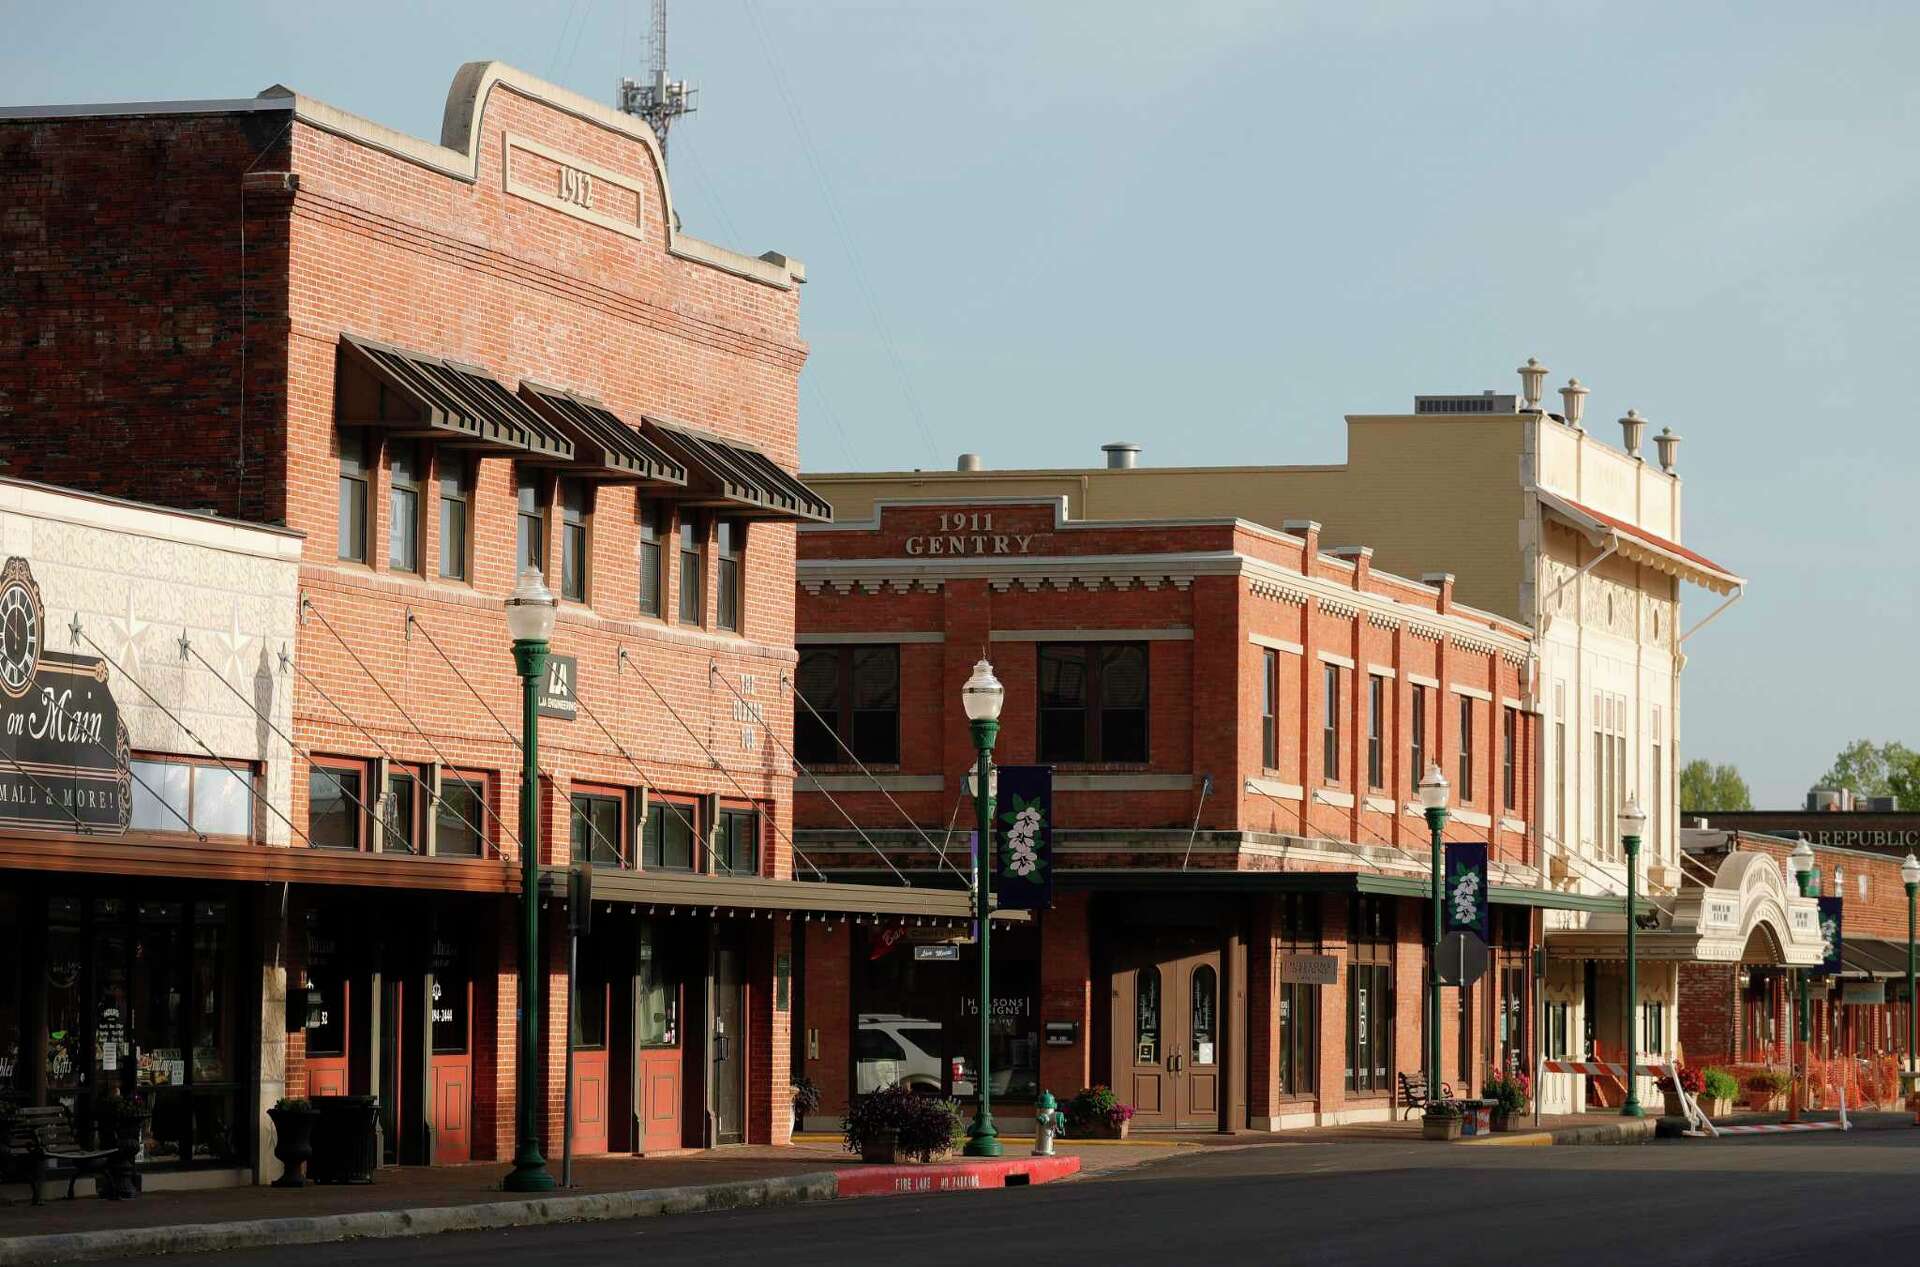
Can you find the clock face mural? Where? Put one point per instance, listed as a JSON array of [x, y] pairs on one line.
[[63, 747]]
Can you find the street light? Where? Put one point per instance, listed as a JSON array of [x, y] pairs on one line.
[[1433, 799], [1633, 821], [1800, 862], [982, 697], [530, 612], [1910, 876]]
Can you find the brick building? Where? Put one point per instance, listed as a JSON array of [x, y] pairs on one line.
[[1235, 716], [445, 363]]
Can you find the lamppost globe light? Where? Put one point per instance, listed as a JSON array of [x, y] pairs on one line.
[[530, 608], [1633, 819], [1800, 861], [1434, 788], [983, 694], [1910, 870]]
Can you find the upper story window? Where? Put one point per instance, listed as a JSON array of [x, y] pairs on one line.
[[652, 564], [1417, 728], [1466, 749], [1376, 731], [667, 840], [405, 472], [456, 514], [530, 541], [354, 462], [459, 816], [856, 692], [730, 549], [693, 568], [737, 843], [1510, 758], [336, 797], [177, 794], [1270, 708], [599, 828], [1093, 701], [576, 502], [403, 813], [1330, 722]]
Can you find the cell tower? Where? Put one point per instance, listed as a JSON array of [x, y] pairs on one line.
[[658, 100]]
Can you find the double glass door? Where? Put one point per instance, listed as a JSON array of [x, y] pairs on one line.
[[1166, 1039]]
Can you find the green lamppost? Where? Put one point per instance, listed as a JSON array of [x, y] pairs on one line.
[[1910, 876], [982, 697], [1633, 821], [530, 612], [1433, 799], [1800, 862]]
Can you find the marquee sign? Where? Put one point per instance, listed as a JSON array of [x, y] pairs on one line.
[[63, 747]]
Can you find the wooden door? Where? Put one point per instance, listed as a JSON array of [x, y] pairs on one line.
[[1143, 1065], [659, 997], [330, 1032], [590, 1046], [1198, 1077], [727, 1047], [450, 1074], [1166, 1039]]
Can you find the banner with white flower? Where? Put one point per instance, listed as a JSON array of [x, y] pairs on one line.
[[1830, 937], [1023, 837], [1465, 892]]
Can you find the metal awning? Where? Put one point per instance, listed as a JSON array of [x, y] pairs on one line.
[[1640, 545], [1873, 958], [739, 480], [1217, 881], [412, 394], [719, 894], [604, 448]]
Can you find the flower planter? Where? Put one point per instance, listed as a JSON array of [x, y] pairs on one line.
[[1105, 1130], [881, 1147], [293, 1144], [1440, 1128], [1716, 1107], [1505, 1120], [1672, 1106]]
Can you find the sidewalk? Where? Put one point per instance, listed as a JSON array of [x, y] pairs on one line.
[[407, 1201]]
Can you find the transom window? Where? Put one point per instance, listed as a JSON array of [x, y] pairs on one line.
[[856, 692], [666, 842], [1093, 701]]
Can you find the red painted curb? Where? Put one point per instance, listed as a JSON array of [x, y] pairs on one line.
[[901, 1181]]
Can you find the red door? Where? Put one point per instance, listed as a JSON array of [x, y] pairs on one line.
[[449, 1099], [657, 1071], [591, 998], [329, 1033]]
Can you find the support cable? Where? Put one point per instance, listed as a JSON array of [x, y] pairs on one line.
[[699, 743], [307, 605], [652, 788], [1206, 787], [245, 772], [127, 765], [86, 828], [793, 686]]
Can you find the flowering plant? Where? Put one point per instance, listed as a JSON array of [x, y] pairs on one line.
[[1511, 1092], [1692, 1081], [1097, 1105]]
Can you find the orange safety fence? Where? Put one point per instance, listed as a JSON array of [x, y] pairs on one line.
[[1868, 1081]]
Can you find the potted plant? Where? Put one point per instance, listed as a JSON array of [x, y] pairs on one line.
[[1510, 1096], [1692, 1081], [1097, 1113], [1766, 1088], [806, 1099], [934, 1128], [123, 1119], [1441, 1120], [1720, 1090], [873, 1123], [293, 1121]]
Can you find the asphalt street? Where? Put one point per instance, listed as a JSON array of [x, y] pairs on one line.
[[1834, 1199]]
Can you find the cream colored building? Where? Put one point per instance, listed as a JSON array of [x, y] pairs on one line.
[[1538, 519]]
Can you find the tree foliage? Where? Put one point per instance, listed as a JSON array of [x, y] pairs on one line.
[[1877, 769], [1710, 788]]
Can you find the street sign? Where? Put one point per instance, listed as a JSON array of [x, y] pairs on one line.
[[937, 953], [1309, 970], [1463, 958]]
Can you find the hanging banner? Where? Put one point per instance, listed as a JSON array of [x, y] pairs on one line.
[[1466, 890], [1830, 939], [1023, 837]]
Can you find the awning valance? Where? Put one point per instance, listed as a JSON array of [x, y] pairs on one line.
[[742, 481], [1641, 546], [412, 394], [721, 893], [604, 448]]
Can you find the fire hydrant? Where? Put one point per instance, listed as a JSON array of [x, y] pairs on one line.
[[1048, 1121]]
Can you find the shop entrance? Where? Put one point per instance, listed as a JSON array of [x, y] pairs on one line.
[[1166, 1032], [728, 1047], [658, 1001], [592, 1042], [450, 1073]]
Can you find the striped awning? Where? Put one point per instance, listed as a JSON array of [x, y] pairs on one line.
[[604, 447], [739, 480], [413, 394]]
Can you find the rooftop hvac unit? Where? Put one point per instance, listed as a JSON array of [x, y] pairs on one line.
[[1827, 800], [1485, 403], [1883, 804]]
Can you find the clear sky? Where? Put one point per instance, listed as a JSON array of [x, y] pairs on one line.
[[1216, 227]]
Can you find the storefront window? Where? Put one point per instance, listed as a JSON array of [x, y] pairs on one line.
[[1146, 1016], [322, 1010], [66, 1000], [1200, 993], [1370, 994], [918, 1020], [12, 1076], [450, 998]]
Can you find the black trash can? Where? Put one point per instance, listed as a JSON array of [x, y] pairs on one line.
[[346, 1146]]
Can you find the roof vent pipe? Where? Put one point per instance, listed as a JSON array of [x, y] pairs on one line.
[[1632, 427], [1533, 376], [1122, 455], [1666, 442], [968, 462], [1573, 399]]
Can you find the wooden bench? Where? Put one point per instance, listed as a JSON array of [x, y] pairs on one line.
[[39, 1143], [1413, 1093]]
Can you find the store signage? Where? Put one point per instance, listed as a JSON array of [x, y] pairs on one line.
[[1063, 1033], [65, 747], [1309, 970], [1466, 891], [557, 698], [1864, 993], [1878, 839], [937, 954], [1831, 942], [1023, 837], [969, 532]]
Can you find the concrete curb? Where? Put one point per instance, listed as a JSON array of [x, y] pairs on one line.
[[1626, 1130], [201, 1238]]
